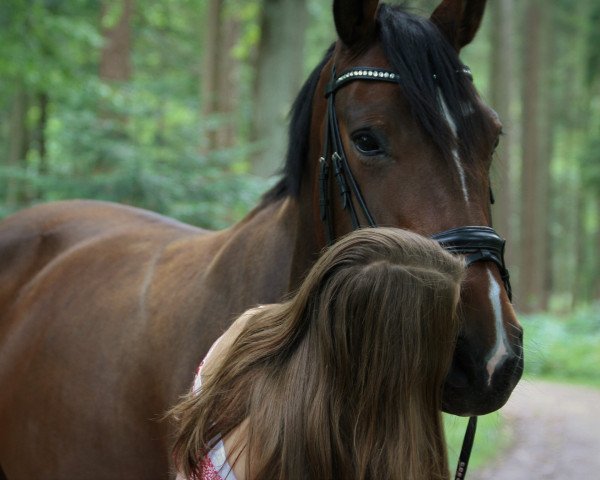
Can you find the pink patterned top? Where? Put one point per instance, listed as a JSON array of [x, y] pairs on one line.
[[214, 466]]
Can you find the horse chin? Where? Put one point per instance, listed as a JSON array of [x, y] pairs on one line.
[[470, 395]]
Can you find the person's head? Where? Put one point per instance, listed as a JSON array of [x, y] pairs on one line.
[[344, 379]]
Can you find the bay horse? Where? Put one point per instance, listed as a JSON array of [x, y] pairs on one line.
[[106, 310]]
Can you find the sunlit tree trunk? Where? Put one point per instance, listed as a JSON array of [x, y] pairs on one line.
[[279, 76], [502, 80]]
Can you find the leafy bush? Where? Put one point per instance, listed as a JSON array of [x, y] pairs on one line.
[[114, 144], [564, 347]]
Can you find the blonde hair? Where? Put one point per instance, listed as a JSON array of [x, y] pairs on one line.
[[344, 379]]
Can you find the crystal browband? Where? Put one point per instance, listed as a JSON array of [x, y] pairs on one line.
[[378, 74]]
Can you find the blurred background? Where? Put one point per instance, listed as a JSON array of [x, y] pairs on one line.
[[180, 106]]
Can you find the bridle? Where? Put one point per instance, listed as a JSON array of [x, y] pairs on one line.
[[476, 243]]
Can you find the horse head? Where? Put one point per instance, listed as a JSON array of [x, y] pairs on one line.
[[404, 140]]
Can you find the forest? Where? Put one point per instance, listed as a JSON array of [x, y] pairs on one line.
[[180, 106]]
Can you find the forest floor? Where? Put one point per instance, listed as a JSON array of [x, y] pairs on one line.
[[555, 434]]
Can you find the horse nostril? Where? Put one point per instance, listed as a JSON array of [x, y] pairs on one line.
[[463, 366], [508, 372]]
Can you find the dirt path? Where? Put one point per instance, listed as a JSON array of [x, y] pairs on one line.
[[555, 431]]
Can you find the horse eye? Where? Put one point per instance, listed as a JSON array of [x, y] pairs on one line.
[[367, 144]]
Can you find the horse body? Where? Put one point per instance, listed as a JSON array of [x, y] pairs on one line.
[[117, 327], [106, 310]]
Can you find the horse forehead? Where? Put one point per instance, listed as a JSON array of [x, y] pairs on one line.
[[375, 102]]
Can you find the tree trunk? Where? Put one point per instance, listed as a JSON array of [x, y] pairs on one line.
[[18, 145], [115, 68], [211, 68], [43, 101], [530, 268], [115, 59], [228, 86], [501, 95], [278, 78], [548, 121]]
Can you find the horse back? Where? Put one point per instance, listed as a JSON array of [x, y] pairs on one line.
[[82, 331], [35, 237]]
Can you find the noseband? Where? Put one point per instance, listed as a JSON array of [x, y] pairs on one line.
[[477, 243]]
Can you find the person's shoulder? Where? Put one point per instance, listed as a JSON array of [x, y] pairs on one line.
[[240, 323], [225, 341]]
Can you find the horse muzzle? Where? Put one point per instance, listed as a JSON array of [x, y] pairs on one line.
[[480, 384]]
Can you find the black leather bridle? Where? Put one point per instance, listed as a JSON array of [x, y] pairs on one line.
[[476, 243]]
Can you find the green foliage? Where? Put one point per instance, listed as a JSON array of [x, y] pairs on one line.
[[590, 163], [46, 43], [565, 347], [127, 145], [135, 142]]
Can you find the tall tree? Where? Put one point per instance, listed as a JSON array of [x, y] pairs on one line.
[[278, 77], [220, 77], [115, 59], [585, 75], [548, 125], [211, 72], [530, 265], [43, 100], [18, 145], [502, 87]]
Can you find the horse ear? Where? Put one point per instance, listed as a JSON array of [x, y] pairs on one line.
[[355, 20], [459, 20]]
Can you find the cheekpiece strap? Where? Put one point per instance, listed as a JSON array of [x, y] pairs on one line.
[[362, 73]]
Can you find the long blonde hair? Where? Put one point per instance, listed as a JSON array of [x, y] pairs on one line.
[[344, 379]]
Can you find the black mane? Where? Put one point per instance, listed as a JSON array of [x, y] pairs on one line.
[[428, 66]]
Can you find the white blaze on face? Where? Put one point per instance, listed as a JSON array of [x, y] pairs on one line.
[[455, 155], [500, 349]]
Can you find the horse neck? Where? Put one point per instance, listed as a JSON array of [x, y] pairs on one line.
[[278, 245], [310, 231]]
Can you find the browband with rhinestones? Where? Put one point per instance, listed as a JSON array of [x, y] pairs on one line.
[[363, 73], [380, 75]]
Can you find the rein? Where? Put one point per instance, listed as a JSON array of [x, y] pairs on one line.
[[477, 243]]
